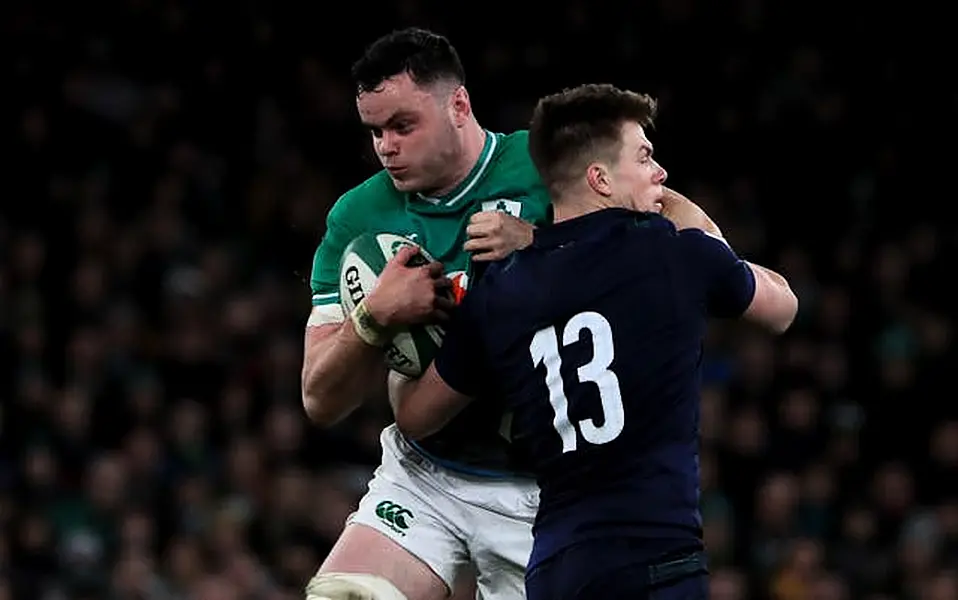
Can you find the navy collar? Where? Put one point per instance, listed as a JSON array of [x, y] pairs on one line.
[[550, 236]]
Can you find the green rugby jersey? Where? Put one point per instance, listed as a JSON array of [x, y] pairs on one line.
[[503, 178]]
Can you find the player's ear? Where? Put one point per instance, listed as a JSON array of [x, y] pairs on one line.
[[460, 105], [599, 179]]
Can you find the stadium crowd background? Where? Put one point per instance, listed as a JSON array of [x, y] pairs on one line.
[[169, 165]]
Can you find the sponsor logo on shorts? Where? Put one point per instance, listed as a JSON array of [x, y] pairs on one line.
[[395, 516]]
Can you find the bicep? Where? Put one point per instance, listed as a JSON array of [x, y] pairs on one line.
[[726, 282], [732, 291], [318, 332], [324, 277]]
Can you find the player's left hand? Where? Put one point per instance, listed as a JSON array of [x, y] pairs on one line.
[[494, 234]]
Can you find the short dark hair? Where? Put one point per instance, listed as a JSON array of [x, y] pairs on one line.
[[582, 124], [426, 56]]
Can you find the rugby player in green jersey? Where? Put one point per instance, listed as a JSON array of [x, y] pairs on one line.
[[467, 195]]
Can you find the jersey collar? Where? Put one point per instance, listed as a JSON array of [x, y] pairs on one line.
[[478, 170]]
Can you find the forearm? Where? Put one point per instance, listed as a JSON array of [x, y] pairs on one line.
[[413, 416], [340, 371], [774, 304], [425, 405]]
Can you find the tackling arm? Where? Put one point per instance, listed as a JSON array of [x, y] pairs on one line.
[[424, 406]]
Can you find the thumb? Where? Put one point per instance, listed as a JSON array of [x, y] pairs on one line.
[[405, 254]]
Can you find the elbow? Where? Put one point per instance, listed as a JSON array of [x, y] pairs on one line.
[[788, 314], [319, 412], [319, 407]]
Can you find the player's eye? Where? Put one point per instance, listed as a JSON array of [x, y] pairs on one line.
[[376, 131], [404, 128]]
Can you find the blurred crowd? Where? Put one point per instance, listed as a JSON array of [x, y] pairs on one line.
[[169, 166]]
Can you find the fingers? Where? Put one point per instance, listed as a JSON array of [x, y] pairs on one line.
[[434, 269], [484, 224], [479, 244], [444, 303], [444, 300], [489, 255], [485, 217], [486, 249], [479, 230]]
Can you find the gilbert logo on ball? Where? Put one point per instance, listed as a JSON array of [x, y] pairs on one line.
[[412, 348]]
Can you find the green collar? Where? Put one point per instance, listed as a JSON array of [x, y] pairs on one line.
[[478, 170]]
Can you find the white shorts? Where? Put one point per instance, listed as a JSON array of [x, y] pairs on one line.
[[447, 519]]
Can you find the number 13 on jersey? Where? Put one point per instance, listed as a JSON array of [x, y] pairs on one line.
[[545, 350]]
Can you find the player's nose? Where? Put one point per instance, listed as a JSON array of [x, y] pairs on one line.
[[661, 174], [387, 144]]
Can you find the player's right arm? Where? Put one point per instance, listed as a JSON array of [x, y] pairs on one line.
[[737, 288], [342, 362], [340, 370]]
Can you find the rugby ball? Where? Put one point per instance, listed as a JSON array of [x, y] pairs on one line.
[[412, 348]]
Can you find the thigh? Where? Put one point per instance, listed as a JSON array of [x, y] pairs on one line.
[[541, 582], [402, 530], [500, 516], [607, 569], [361, 549]]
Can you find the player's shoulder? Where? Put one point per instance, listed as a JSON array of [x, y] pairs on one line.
[[514, 165], [364, 199], [514, 147], [704, 252], [517, 140]]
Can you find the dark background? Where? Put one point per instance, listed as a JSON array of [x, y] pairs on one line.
[[168, 168]]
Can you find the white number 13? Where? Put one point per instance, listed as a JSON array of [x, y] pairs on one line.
[[545, 350]]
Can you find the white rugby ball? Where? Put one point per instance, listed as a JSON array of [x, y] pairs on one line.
[[412, 348]]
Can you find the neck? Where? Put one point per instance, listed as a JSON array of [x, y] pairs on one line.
[[570, 206], [473, 141]]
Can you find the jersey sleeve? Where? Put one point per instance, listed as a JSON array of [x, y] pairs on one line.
[[461, 359], [728, 282], [324, 278]]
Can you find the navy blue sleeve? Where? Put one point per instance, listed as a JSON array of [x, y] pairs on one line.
[[728, 282], [461, 359]]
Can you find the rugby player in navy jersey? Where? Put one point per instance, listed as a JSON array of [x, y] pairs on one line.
[[592, 337]]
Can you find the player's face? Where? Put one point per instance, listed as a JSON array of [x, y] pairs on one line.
[[414, 133], [637, 178]]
